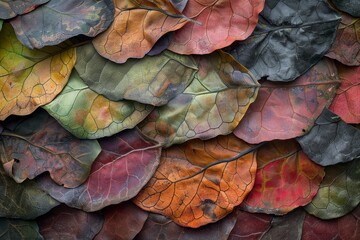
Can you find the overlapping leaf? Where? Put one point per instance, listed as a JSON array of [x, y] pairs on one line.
[[19, 229], [136, 28], [195, 184], [1, 23], [12, 8], [289, 39], [125, 165], [213, 104], [349, 6], [286, 179], [86, 114], [38, 143], [57, 21], [151, 80], [288, 110]]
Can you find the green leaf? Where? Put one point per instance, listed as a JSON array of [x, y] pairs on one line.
[[19, 229], [1, 23]]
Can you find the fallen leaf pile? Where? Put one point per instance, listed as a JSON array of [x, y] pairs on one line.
[[179, 119]]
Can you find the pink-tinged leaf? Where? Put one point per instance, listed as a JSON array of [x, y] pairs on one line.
[[288, 110], [126, 163], [12, 8], [218, 24]]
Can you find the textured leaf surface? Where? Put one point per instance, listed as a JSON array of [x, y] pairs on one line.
[[220, 23], [136, 28], [30, 78], [285, 179], [125, 165], [38, 143], [213, 104], [195, 185], [68, 223], [179, 4], [19, 229], [346, 103], [289, 39], [349, 6], [152, 80], [12, 8], [287, 110], [339, 192], [86, 114], [331, 140], [57, 21]]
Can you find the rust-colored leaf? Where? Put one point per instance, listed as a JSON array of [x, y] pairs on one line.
[[198, 183], [12, 8]]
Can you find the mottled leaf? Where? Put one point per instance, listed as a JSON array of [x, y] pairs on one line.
[[213, 104], [125, 165], [86, 114], [151, 80], [339, 192], [12, 8], [136, 28], [38, 143], [331, 140], [218, 24], [288, 110], [57, 21], [346, 102], [291, 37], [286, 179], [68, 223], [349, 6], [198, 182], [30, 78], [19, 229]]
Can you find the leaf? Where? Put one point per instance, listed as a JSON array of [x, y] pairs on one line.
[[68, 223], [331, 140], [285, 179], [179, 4], [346, 48], [136, 28], [1, 23], [198, 183], [12, 8], [38, 143], [57, 21], [122, 222], [218, 24], [346, 103], [30, 78], [349, 6], [19, 229], [87, 114], [288, 110], [151, 80], [339, 192], [213, 104], [289, 39], [127, 162]]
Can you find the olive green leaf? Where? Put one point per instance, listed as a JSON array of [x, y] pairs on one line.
[[19, 229]]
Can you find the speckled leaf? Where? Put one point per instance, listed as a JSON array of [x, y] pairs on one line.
[[346, 103], [290, 38], [12, 8], [213, 104], [219, 23], [68, 223], [151, 80], [288, 110], [349, 6], [339, 192], [38, 143], [19, 229], [198, 182], [86, 114], [30, 78], [331, 140], [136, 28], [286, 179], [125, 165], [59, 20]]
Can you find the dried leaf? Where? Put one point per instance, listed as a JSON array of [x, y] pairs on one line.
[[213, 104], [12, 8], [289, 39], [285, 179], [151, 80], [87, 114], [38, 143], [30, 78], [59, 20], [288, 110], [349, 6], [179, 4], [218, 24], [125, 165], [198, 183], [19, 229], [136, 28]]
